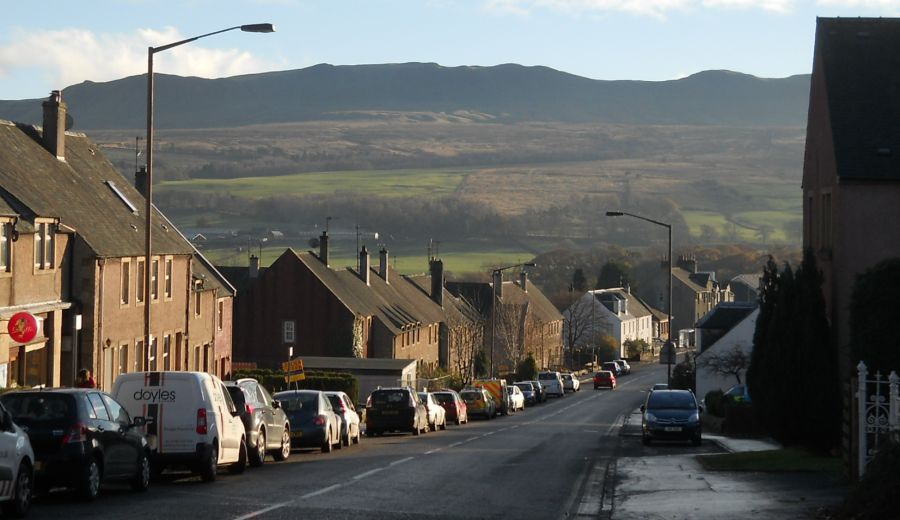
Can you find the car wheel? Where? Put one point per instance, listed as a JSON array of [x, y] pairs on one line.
[[285, 451], [444, 424], [258, 456], [238, 467], [458, 421], [210, 465], [141, 481], [416, 430], [18, 505], [345, 440], [358, 435], [89, 487], [339, 440], [326, 444]]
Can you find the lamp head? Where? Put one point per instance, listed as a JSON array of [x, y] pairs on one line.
[[258, 28], [614, 213]]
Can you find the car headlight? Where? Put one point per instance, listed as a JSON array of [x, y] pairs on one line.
[[650, 417], [695, 417]]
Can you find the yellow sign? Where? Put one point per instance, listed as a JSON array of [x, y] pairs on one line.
[[293, 370]]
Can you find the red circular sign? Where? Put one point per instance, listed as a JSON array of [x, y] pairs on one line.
[[22, 327]]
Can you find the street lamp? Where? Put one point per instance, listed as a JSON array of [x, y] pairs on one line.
[[497, 277], [669, 344], [148, 195]]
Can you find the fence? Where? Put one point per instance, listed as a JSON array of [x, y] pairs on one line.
[[878, 405]]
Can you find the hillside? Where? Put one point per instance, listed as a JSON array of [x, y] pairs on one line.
[[504, 93]]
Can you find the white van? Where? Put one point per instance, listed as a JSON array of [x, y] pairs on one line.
[[552, 383], [191, 420]]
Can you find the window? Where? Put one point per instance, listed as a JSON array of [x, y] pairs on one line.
[[44, 246], [197, 366], [139, 356], [153, 345], [197, 299], [167, 346], [288, 328], [99, 410], [140, 281], [116, 411], [126, 281], [154, 280], [5, 246], [168, 279], [123, 358], [220, 315]]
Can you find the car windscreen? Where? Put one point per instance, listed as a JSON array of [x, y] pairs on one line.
[[236, 395], [35, 409], [525, 387], [443, 398], [298, 401], [390, 397], [547, 376], [673, 400]]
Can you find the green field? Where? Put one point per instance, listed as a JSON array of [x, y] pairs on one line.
[[383, 183]]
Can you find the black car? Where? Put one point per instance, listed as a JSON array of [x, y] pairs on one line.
[[268, 428], [81, 437], [539, 391], [531, 395], [395, 409], [671, 415]]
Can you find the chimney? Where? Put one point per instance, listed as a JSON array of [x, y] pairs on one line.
[[383, 264], [323, 248], [498, 284], [523, 281], [55, 125], [364, 265], [140, 180], [254, 267], [436, 267], [688, 263]]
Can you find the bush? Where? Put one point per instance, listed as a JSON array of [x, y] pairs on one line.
[[874, 497], [715, 403], [527, 369], [683, 376], [273, 380]]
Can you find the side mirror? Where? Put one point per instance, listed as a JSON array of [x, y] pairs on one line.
[[276, 404], [138, 422], [643, 408]]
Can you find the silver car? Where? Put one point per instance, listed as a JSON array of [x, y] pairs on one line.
[[343, 408]]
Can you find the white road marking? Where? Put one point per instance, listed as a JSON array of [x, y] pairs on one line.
[[321, 491], [263, 511], [455, 444], [368, 473], [401, 461], [429, 452]]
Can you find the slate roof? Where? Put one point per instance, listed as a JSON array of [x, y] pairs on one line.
[[636, 306], [77, 192], [726, 315], [862, 82], [685, 278], [212, 278], [479, 294]]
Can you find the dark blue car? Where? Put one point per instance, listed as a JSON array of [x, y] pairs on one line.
[[671, 415], [313, 421]]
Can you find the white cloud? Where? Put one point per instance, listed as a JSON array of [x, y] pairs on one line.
[[892, 4], [71, 56], [655, 8]]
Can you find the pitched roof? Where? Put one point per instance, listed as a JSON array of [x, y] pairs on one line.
[[636, 307], [862, 83], [212, 278], [685, 277], [726, 315], [79, 191]]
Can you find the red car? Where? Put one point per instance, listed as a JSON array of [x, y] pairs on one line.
[[604, 378], [453, 405]]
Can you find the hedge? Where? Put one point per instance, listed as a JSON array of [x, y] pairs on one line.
[[273, 381]]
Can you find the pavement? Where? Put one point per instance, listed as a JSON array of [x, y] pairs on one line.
[[665, 481]]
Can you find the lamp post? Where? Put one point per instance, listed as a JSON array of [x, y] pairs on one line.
[[148, 195], [497, 277], [669, 344]]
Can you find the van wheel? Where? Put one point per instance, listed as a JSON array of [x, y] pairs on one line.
[[141, 480], [238, 467], [285, 451], [18, 506], [89, 487], [258, 456], [210, 466]]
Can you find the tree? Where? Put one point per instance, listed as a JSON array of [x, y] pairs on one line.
[[510, 322], [579, 282], [732, 362], [466, 338], [684, 375], [608, 348], [635, 347], [613, 274], [577, 323], [480, 365], [873, 305], [527, 370]]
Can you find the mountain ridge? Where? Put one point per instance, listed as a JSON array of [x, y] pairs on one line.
[[509, 92]]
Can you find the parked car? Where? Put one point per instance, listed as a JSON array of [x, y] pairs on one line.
[[455, 408], [528, 392], [571, 382], [351, 429], [313, 421], [605, 378], [266, 426], [671, 415], [395, 409], [659, 386], [17, 467], [540, 391], [626, 368], [191, 420], [479, 402], [552, 383], [437, 417], [81, 439], [613, 367], [739, 393], [516, 398]]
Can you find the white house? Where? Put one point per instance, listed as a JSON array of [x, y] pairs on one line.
[[723, 331], [610, 312]]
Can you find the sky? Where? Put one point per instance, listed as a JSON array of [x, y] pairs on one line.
[[53, 44]]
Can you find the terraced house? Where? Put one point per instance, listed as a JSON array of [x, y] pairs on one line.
[[73, 255]]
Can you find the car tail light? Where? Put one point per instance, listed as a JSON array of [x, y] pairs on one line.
[[201, 421], [320, 420], [248, 407], [76, 434]]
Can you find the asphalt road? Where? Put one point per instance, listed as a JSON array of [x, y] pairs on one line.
[[550, 461]]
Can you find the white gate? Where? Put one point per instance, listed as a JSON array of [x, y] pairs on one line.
[[878, 407]]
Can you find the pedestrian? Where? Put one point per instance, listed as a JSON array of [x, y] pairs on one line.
[[85, 379]]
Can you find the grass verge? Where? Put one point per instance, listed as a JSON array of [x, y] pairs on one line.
[[776, 461]]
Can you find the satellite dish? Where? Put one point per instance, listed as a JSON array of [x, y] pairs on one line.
[[70, 121]]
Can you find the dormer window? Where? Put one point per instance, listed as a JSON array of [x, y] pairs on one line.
[[44, 246]]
